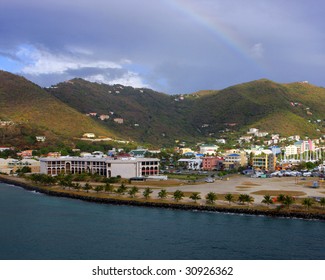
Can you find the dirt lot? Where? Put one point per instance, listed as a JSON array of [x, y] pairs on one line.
[[256, 187]]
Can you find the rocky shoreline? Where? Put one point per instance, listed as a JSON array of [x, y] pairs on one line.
[[159, 204]]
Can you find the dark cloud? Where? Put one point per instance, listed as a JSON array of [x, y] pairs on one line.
[[170, 45]]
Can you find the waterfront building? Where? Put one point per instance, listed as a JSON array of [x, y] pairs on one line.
[[106, 166]]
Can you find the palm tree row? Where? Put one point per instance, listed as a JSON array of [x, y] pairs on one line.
[[287, 201]]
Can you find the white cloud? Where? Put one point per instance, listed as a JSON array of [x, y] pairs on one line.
[[44, 65], [257, 50], [42, 62], [127, 79]]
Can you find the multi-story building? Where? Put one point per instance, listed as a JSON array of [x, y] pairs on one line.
[[212, 163], [105, 166], [291, 150], [235, 160], [264, 162]]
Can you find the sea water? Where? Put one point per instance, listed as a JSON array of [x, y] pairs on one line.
[[37, 226]]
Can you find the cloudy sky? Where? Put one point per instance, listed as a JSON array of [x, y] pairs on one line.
[[173, 46]]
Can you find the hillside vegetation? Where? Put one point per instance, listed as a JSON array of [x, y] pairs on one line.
[[36, 112], [155, 118], [159, 118]]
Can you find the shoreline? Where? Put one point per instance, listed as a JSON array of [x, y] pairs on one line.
[[160, 204]]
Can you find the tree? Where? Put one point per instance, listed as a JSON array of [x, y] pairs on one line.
[[267, 200], [249, 199], [121, 189], [178, 195], [162, 194], [229, 197], [24, 169], [211, 197], [195, 196], [322, 201], [288, 200], [241, 198], [133, 191], [87, 187], [281, 198], [146, 193], [99, 188], [108, 188], [307, 202], [77, 186]]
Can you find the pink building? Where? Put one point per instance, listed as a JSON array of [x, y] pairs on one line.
[[211, 163]]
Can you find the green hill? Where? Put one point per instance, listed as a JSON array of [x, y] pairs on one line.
[[156, 118], [148, 116], [34, 111], [159, 118], [267, 105]]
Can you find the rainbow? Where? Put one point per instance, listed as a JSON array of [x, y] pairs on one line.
[[223, 33]]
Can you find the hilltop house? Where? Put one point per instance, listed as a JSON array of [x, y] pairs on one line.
[[88, 135], [118, 120], [40, 138]]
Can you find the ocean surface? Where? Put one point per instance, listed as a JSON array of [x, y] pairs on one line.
[[37, 226]]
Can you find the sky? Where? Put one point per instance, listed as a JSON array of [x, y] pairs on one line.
[[172, 46]]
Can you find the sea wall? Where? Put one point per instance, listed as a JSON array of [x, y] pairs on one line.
[[180, 206]]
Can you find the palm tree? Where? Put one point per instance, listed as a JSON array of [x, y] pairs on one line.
[[133, 191], [211, 197], [178, 195], [229, 197], [87, 187], [162, 194], [146, 193], [281, 198], [288, 200], [267, 200], [249, 199], [195, 196], [308, 202], [322, 201], [241, 198]]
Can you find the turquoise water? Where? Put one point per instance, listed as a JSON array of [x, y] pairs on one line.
[[36, 226]]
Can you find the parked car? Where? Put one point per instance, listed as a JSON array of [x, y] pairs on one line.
[[209, 180]]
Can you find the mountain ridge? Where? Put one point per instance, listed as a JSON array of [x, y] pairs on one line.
[[159, 119]]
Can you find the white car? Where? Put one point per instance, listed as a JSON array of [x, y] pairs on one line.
[[209, 180]]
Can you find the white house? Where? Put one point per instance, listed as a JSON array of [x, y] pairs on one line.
[[207, 149]]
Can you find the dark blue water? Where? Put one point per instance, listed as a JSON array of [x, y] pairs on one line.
[[36, 226]]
